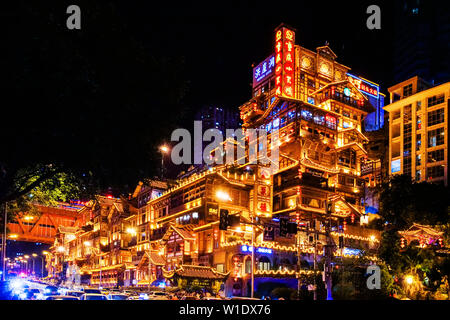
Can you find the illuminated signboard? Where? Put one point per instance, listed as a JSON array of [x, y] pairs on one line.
[[284, 62], [245, 248], [395, 165], [351, 251], [263, 70], [364, 85]]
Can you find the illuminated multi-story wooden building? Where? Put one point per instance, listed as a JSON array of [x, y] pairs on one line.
[[101, 250], [313, 112]]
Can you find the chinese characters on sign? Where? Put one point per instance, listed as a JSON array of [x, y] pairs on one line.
[[364, 86], [284, 62], [263, 70], [263, 192]]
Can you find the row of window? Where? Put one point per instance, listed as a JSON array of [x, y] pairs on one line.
[[319, 118], [435, 117], [434, 100], [436, 137]]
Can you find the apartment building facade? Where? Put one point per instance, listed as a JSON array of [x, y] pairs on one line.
[[418, 130]]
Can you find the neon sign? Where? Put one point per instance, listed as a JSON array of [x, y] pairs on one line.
[[364, 85], [351, 251], [284, 62], [263, 70], [245, 248]]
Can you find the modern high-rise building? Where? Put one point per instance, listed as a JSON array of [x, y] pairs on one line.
[[418, 130], [374, 120], [421, 41], [214, 117]]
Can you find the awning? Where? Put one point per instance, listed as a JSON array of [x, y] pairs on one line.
[[354, 145], [314, 165], [117, 266]]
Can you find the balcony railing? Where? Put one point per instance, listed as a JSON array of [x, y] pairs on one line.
[[344, 99]]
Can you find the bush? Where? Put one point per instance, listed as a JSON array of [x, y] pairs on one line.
[[285, 293]]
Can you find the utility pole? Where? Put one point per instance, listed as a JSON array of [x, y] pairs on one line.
[[42, 266], [328, 251], [149, 270], [100, 250], [5, 219], [253, 258], [299, 265], [315, 259]]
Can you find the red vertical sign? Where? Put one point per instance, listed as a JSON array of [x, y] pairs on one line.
[[284, 62]]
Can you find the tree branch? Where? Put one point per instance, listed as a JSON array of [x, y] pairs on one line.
[[18, 193]]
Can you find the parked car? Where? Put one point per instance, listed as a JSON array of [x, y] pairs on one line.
[[189, 298], [117, 296], [33, 294], [90, 290], [133, 297], [93, 296], [62, 298], [212, 298], [74, 293], [158, 295], [51, 291]]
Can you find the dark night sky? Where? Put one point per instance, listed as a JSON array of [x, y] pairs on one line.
[[220, 45], [90, 98]]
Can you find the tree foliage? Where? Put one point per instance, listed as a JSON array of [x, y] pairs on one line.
[[402, 203]]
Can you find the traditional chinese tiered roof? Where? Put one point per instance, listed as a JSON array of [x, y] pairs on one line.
[[185, 234], [154, 258], [418, 231], [199, 272]]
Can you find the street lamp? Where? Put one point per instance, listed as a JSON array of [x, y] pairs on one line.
[[42, 262], [409, 279], [4, 239], [163, 149], [47, 254], [33, 255], [26, 257]]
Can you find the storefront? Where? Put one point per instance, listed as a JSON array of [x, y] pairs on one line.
[[196, 278]]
